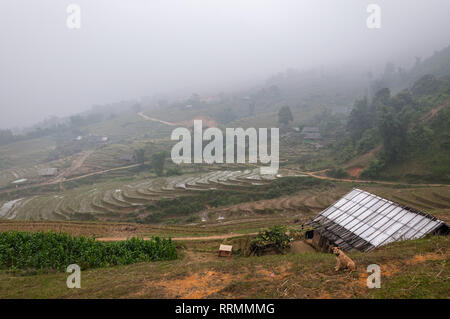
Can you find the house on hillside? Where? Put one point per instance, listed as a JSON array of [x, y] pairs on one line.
[[364, 221], [46, 172], [128, 158], [311, 133], [310, 129], [312, 136], [19, 182], [317, 146]]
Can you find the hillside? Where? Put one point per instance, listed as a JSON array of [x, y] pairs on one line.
[[407, 134], [413, 269], [114, 180]]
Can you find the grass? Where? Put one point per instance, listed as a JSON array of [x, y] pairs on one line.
[[123, 229], [427, 280], [199, 273], [303, 275]]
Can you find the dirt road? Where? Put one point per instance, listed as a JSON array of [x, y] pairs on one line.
[[317, 175], [313, 174], [186, 123], [76, 164], [73, 178], [148, 118]]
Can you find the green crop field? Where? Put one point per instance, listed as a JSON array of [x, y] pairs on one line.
[[44, 251]]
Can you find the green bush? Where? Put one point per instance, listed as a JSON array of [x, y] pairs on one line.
[[368, 141], [374, 169], [337, 172], [174, 171], [49, 250], [272, 237]]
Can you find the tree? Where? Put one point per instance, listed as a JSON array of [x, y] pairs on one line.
[[374, 169], [403, 100], [225, 116], [285, 115], [158, 161], [251, 108], [426, 85], [361, 119], [382, 97], [76, 120], [6, 136], [139, 154], [393, 132]]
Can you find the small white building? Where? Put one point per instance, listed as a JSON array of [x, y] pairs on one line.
[[225, 250], [20, 181]]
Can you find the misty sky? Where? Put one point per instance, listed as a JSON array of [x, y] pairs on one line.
[[132, 48]]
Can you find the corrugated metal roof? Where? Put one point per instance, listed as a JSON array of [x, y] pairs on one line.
[[22, 180], [48, 171], [361, 220], [310, 129], [312, 136]]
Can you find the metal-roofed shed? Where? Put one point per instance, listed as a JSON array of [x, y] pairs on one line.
[[363, 221], [310, 129], [51, 171], [312, 136]]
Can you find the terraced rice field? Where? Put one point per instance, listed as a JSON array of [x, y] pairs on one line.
[[7, 176], [433, 200], [300, 206], [113, 200], [119, 230]]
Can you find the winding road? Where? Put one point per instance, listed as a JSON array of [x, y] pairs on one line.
[[148, 118]]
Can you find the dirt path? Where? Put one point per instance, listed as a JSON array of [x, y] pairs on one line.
[[209, 122], [76, 164], [99, 172], [73, 178], [214, 237], [313, 174], [358, 164], [148, 118], [318, 175]]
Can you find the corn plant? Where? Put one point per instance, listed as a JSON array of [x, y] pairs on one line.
[[49, 250]]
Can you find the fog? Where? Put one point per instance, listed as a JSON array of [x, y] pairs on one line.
[[129, 49]]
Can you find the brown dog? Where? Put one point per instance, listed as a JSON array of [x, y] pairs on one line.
[[343, 261]]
